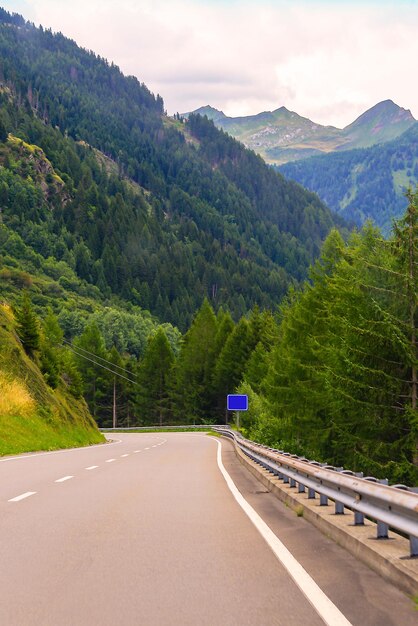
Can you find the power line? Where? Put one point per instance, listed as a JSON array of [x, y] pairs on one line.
[[70, 347], [97, 357]]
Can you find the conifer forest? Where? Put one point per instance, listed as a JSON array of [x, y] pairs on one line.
[[151, 265]]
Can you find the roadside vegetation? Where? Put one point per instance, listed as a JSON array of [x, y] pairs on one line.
[[33, 415]]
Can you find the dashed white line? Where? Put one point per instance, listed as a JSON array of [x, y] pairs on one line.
[[63, 479], [136, 451], [122, 455], [146, 448], [110, 460], [92, 467], [22, 496]]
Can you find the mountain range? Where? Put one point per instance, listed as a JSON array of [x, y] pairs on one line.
[[280, 136], [365, 183], [107, 197]]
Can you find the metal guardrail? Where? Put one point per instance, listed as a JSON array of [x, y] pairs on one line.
[[145, 428], [394, 507]]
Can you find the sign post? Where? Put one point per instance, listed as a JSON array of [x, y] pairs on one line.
[[237, 402]]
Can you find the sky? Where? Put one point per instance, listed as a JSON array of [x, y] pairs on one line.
[[328, 60]]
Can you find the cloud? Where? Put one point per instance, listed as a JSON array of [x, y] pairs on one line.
[[326, 60]]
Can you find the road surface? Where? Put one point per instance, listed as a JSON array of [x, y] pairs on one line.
[[146, 531]]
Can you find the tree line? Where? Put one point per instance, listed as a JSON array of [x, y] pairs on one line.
[[332, 374]]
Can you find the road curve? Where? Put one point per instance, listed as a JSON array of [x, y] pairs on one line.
[[145, 531]]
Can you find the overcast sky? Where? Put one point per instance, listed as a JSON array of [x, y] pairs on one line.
[[328, 60]]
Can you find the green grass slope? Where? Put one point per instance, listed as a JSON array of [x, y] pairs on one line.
[[32, 415]]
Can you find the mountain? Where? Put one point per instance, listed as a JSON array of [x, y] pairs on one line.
[[101, 190], [282, 135], [367, 183], [383, 122]]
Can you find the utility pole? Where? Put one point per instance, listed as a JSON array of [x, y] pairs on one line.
[[114, 402], [412, 295]]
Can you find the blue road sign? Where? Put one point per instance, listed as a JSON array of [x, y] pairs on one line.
[[237, 402]]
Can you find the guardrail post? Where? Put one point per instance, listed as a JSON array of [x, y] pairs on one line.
[[339, 508], [323, 500], [382, 530], [292, 482], [358, 518], [311, 493], [301, 488], [285, 478], [413, 546]]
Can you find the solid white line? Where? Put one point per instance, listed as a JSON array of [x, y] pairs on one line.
[[122, 455], [66, 451], [22, 496], [330, 614], [92, 467], [62, 480], [110, 460]]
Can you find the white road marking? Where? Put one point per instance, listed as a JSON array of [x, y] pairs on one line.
[[110, 460], [328, 612], [136, 451], [63, 479], [22, 496], [146, 448], [122, 455], [66, 451], [92, 467]]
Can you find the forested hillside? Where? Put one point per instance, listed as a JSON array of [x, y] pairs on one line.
[[166, 213], [143, 260], [333, 376], [363, 184]]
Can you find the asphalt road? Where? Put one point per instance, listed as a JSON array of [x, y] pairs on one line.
[[146, 531]]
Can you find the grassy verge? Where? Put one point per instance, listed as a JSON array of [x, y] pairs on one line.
[[29, 434], [32, 415]]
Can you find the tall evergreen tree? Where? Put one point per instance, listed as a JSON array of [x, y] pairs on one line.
[[232, 360], [51, 348], [152, 402], [191, 383], [90, 349], [27, 325], [406, 246]]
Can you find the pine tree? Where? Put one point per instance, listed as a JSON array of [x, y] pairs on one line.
[[191, 382], [406, 243], [90, 349], [3, 132], [51, 349], [152, 402], [232, 360], [27, 325]]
